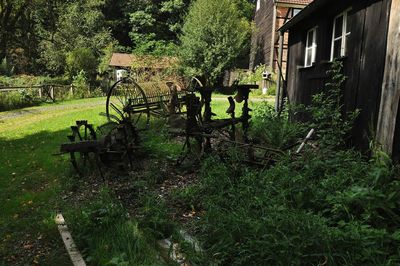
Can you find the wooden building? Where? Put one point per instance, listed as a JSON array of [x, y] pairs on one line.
[[145, 66], [365, 35], [269, 16]]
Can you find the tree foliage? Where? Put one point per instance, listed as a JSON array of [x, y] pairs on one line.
[[80, 25], [155, 27], [213, 36], [37, 35]]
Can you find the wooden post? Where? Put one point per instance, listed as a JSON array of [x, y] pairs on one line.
[[279, 80], [390, 96], [52, 93], [40, 92], [273, 34], [71, 91]]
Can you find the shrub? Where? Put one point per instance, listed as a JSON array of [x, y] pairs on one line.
[[327, 117], [18, 99], [26, 80], [82, 59], [81, 86], [6, 68]]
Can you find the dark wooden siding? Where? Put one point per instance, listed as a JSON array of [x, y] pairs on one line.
[[262, 38], [363, 64]]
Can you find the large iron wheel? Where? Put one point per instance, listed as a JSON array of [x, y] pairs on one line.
[[126, 100]]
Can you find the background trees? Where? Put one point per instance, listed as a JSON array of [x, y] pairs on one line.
[[214, 35], [37, 36]]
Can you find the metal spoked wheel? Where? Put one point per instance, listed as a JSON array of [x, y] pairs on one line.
[[126, 100], [194, 84], [83, 132]]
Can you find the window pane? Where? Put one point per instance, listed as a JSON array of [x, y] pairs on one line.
[[313, 53], [338, 26], [346, 44], [310, 38], [309, 58], [337, 47]]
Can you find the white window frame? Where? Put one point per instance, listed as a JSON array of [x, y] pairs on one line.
[[294, 10], [311, 48], [258, 5], [342, 37]]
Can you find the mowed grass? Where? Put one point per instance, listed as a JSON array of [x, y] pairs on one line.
[[31, 178]]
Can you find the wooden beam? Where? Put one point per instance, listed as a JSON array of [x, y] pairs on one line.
[[279, 81], [391, 83], [73, 252]]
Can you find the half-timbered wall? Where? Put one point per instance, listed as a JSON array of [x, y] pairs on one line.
[[265, 43]]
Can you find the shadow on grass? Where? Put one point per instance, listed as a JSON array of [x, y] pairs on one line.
[[30, 185]]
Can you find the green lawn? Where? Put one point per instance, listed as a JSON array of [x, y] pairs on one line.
[[31, 178]]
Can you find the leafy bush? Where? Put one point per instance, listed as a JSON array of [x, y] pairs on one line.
[[17, 99], [82, 59], [26, 80], [5, 68], [81, 85]]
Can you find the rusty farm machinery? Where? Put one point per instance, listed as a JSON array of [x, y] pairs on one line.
[[128, 109], [129, 106]]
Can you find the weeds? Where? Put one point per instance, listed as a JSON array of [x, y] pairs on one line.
[[327, 116], [107, 236], [337, 209], [273, 130]]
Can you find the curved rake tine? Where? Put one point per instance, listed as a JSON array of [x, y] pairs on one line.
[[116, 110], [139, 116], [112, 116]]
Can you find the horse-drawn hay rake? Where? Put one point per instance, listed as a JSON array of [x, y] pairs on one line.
[[128, 109]]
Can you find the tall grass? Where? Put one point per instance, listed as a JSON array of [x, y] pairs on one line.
[[337, 210]]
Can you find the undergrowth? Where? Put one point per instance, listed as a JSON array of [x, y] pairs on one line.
[[107, 236], [316, 209], [327, 206]]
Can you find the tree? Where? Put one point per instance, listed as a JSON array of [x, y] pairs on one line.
[[155, 25], [11, 11], [80, 25], [214, 35], [81, 59]]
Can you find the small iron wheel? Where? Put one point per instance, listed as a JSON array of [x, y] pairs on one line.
[[82, 132]]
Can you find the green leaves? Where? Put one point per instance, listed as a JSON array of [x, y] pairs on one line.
[[155, 26], [332, 124], [213, 36]]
